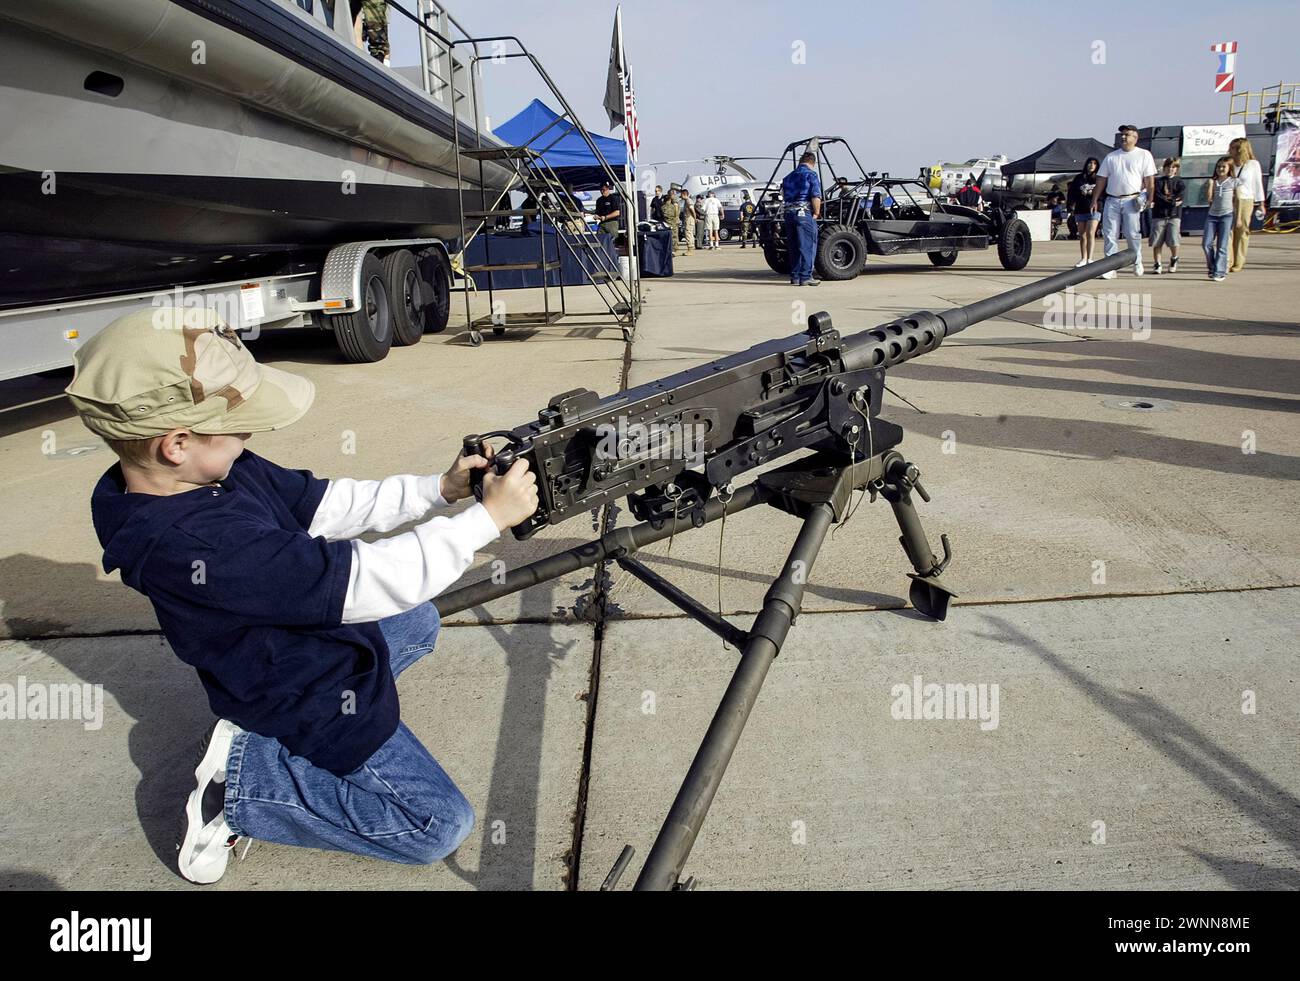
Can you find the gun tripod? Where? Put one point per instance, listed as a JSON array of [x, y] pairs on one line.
[[816, 489]]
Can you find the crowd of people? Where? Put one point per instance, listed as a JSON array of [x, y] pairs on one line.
[[697, 223], [1111, 195]]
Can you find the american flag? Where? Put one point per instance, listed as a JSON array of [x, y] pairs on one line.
[[1227, 52], [631, 129]]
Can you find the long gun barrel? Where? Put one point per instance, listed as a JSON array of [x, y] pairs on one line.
[[922, 332]]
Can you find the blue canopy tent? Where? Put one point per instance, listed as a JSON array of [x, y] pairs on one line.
[[562, 147]]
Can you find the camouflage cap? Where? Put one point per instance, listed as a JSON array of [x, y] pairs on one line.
[[164, 368]]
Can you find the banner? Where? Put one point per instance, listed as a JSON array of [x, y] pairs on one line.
[[1286, 163], [1201, 141]]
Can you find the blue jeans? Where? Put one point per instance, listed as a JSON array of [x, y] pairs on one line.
[[801, 242], [1215, 240], [399, 805], [1124, 212]]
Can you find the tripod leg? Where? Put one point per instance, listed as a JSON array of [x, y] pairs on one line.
[[927, 594], [782, 604]]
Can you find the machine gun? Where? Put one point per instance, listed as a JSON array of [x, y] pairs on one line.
[[674, 448]]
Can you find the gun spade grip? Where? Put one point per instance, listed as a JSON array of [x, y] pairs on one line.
[[504, 460], [473, 446]]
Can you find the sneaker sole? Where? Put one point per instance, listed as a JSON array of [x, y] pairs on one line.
[[203, 850]]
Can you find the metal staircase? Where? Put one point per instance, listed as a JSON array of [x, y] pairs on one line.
[[452, 79]]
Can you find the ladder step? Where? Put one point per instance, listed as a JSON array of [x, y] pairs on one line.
[[501, 153], [520, 319], [500, 266]]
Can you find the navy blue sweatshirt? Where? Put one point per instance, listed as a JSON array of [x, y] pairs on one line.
[[248, 597]]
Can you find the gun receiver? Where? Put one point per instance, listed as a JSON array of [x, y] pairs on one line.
[[669, 444]]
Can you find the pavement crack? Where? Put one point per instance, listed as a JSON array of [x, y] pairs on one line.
[[598, 615]]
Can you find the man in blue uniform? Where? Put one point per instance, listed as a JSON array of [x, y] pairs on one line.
[[801, 191]]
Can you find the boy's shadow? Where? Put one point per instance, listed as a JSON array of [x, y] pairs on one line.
[[155, 694]]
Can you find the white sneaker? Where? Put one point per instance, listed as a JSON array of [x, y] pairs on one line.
[[206, 838], [1137, 268], [1109, 275], [1219, 279], [1157, 269], [1081, 262]]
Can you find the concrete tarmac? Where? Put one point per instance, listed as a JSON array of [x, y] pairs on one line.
[[1127, 577]]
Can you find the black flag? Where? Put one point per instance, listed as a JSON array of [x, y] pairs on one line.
[[614, 105]]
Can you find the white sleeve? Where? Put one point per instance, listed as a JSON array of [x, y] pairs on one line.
[[1257, 181], [351, 507], [399, 573]]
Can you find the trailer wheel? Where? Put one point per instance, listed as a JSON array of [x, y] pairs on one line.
[[841, 252], [1014, 245], [778, 260], [367, 335], [435, 270], [945, 258], [406, 290]]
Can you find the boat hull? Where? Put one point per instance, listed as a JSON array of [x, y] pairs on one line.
[[121, 176]]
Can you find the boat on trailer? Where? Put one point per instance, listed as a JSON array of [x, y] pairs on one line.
[[146, 144]]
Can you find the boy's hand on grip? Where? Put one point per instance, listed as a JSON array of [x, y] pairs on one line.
[[456, 481], [510, 498]]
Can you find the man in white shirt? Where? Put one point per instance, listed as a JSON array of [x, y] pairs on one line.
[[712, 218], [1127, 179]]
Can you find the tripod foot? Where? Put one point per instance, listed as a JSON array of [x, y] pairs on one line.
[[929, 597]]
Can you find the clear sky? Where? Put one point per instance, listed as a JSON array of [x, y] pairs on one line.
[[906, 84]]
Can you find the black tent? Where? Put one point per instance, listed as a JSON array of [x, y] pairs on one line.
[[1058, 157]]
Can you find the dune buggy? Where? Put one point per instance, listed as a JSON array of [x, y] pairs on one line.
[[867, 213]]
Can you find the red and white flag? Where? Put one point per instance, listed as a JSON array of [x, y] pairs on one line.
[[1227, 52]]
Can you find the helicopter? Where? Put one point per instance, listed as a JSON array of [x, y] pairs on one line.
[[703, 183]]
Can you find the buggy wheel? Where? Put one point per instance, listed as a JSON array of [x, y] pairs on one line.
[[1014, 245], [841, 252], [945, 258], [778, 260], [367, 334]]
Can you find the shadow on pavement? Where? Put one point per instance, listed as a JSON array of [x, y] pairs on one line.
[[1235, 781]]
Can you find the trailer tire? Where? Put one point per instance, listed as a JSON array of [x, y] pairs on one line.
[[944, 258], [1014, 245], [841, 253], [366, 336], [406, 290], [778, 260], [435, 270]]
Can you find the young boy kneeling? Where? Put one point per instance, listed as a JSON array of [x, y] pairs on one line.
[[297, 631]]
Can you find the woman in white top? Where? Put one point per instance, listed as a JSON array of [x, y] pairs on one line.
[[1250, 196]]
